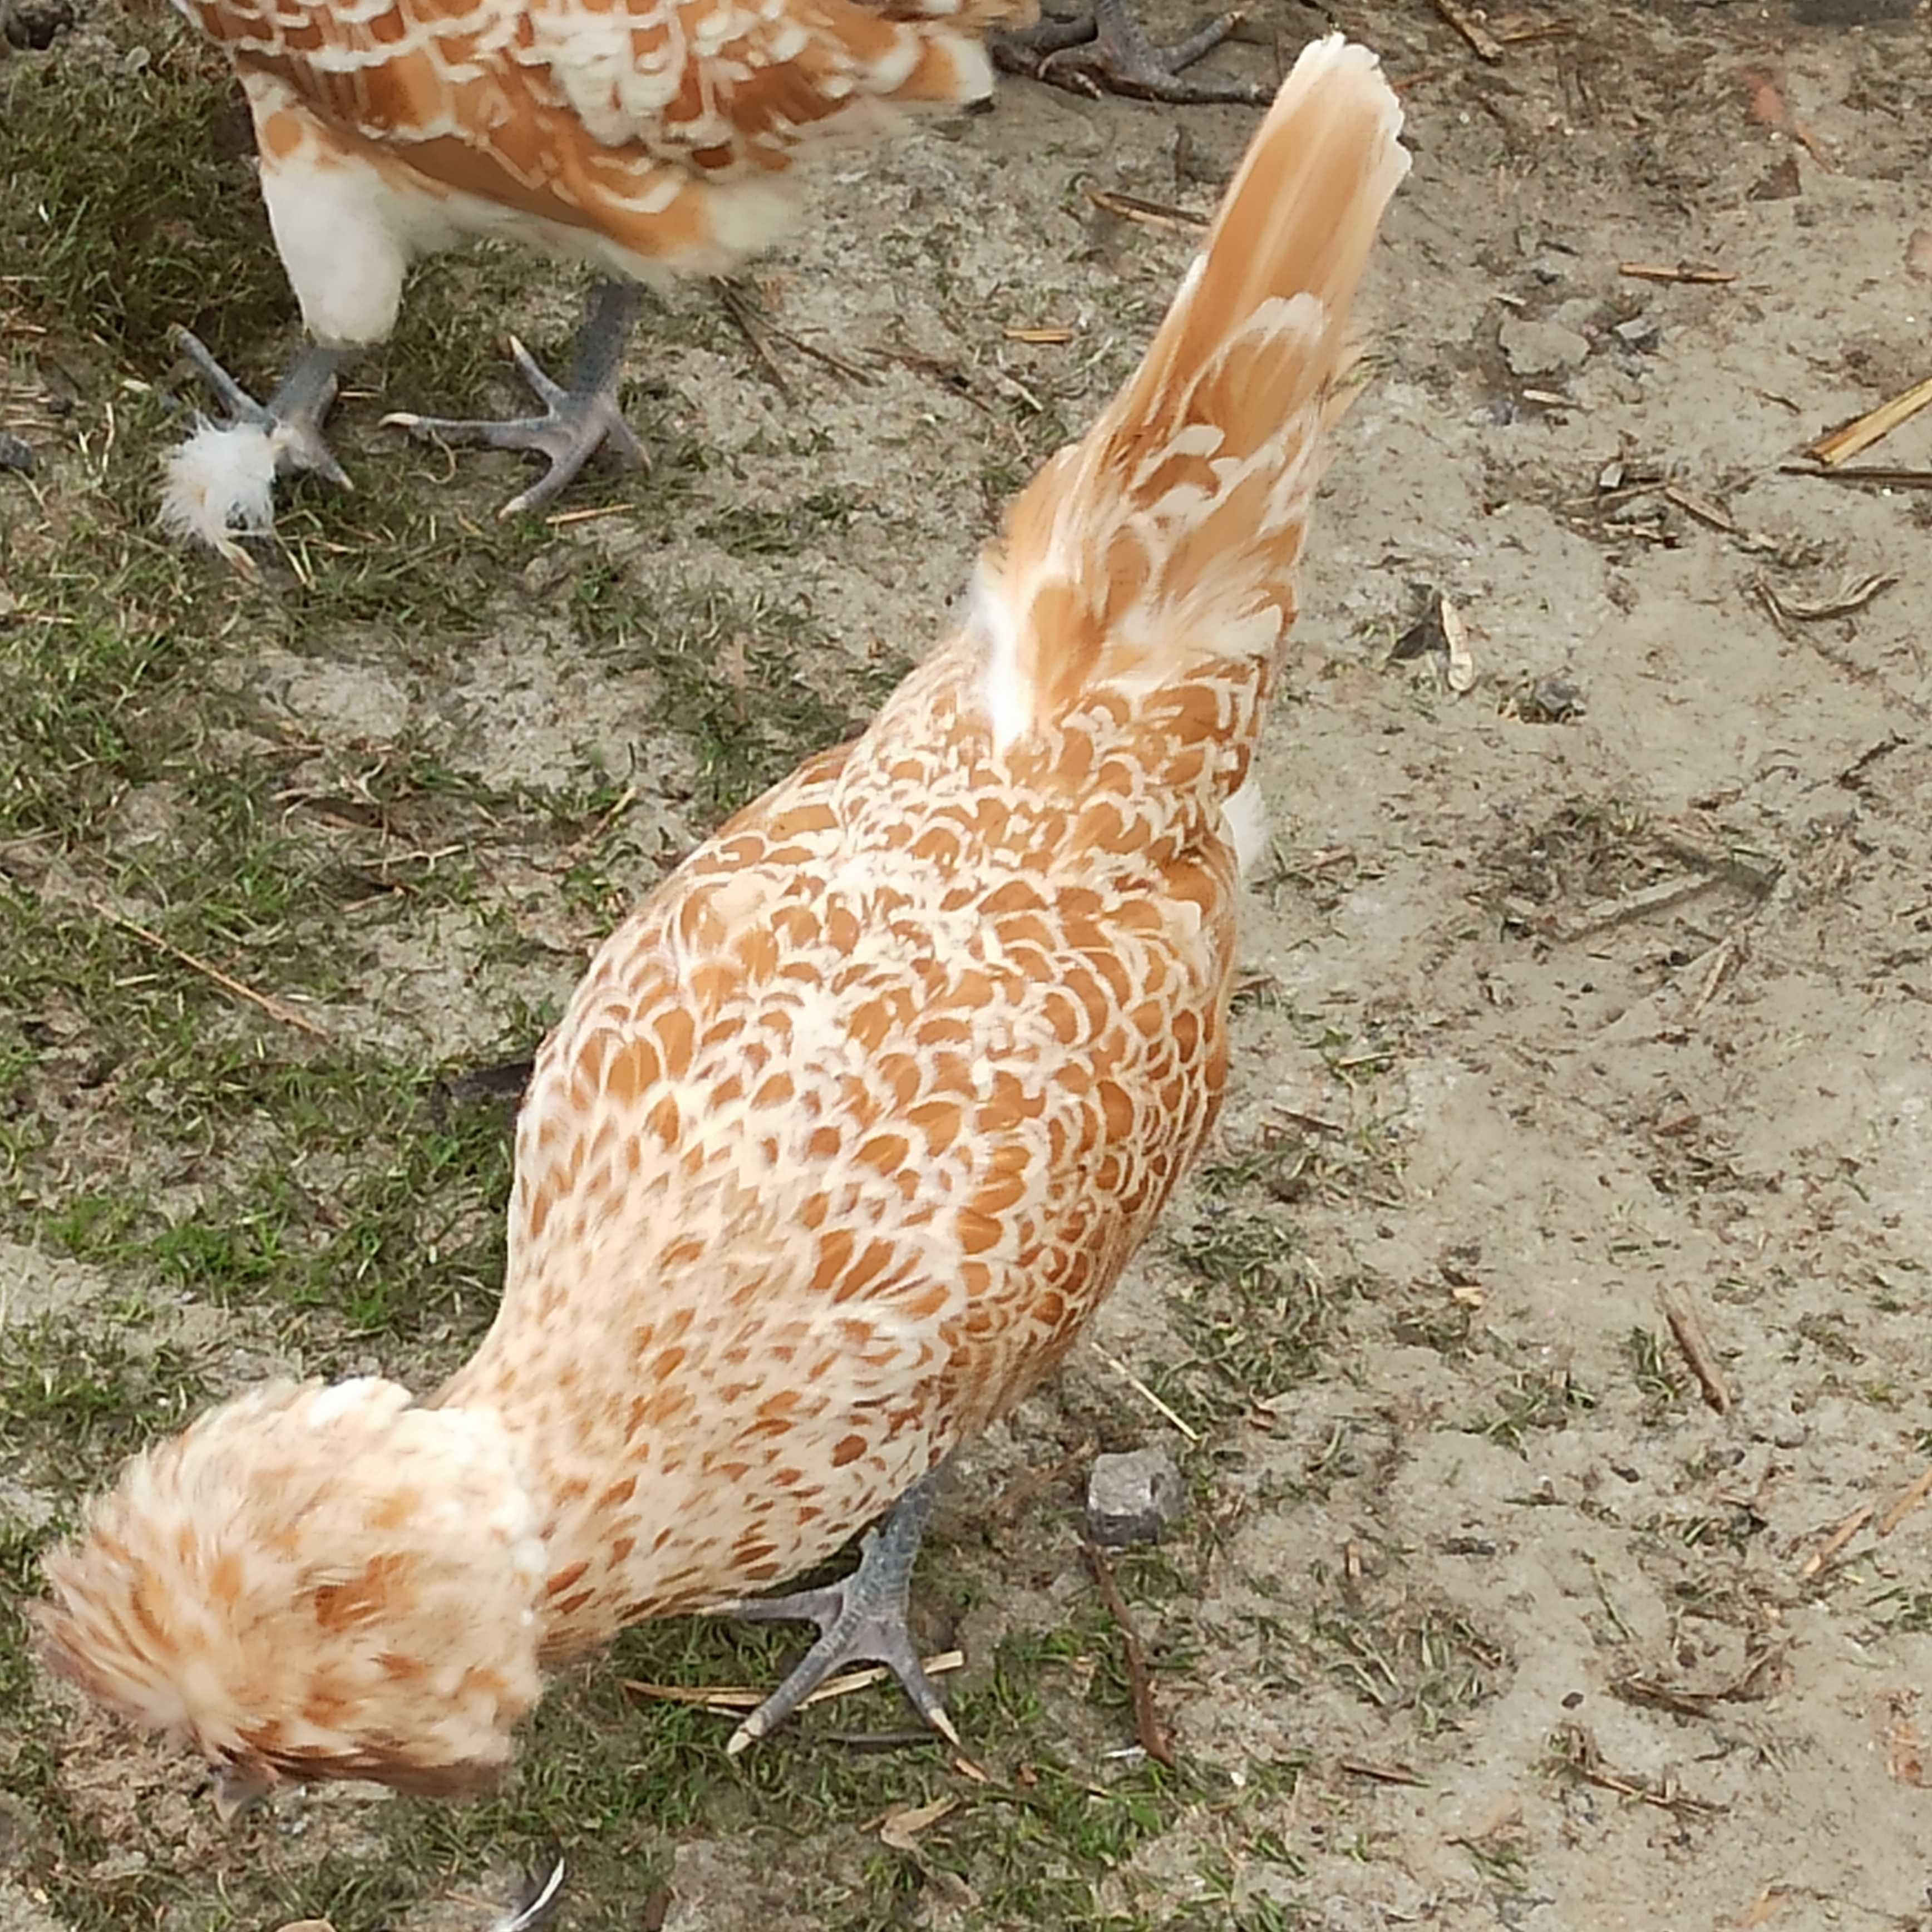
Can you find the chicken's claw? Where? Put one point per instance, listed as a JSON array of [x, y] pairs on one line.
[[293, 415], [862, 1619], [576, 421], [1107, 52]]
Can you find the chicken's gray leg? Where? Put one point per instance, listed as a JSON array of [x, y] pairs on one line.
[[576, 422], [294, 415], [861, 1620], [1109, 53]]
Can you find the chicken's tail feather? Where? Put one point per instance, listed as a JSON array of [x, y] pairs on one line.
[[1171, 531]]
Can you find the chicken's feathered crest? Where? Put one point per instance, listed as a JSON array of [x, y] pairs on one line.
[[1174, 526], [314, 1581]]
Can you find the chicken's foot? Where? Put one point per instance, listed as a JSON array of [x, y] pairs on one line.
[[1107, 52], [576, 422], [292, 416], [861, 1619]]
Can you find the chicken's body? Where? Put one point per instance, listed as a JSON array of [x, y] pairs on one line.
[[848, 1133], [850, 1129], [649, 139]]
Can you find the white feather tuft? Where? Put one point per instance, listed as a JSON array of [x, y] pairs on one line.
[[1008, 695], [220, 484], [1244, 820]]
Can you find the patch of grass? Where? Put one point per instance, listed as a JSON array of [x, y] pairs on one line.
[[1590, 849], [416, 567], [1532, 1399], [447, 353], [1260, 993], [1257, 1318], [73, 1398], [1268, 1915], [360, 1204], [1443, 1322], [743, 531], [1419, 1657], [1653, 1366], [19, 1560], [1034, 1852], [154, 217], [728, 678], [1501, 1857], [1902, 1609], [85, 690]]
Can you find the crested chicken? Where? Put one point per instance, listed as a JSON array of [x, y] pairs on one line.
[[649, 139], [848, 1130]]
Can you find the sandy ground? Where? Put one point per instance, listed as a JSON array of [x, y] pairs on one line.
[[1596, 988]]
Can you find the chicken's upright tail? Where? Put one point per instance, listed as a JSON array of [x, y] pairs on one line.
[[1167, 539]]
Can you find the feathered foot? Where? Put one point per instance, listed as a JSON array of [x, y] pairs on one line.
[[1107, 53], [220, 484], [861, 1620], [576, 421]]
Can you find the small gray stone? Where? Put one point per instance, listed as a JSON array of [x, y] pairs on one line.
[[1542, 348], [1552, 700], [1641, 331], [1131, 1498]]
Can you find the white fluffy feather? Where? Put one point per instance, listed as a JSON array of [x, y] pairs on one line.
[[220, 485], [1244, 818]]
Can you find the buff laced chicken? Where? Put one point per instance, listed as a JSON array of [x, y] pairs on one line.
[[649, 139], [847, 1132]]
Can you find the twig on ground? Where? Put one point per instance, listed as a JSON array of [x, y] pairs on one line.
[[266, 1002], [1843, 444], [1485, 44], [1681, 1314], [742, 1697], [1146, 1394], [1660, 272], [1147, 1727], [1149, 213], [1837, 1540], [1899, 1510]]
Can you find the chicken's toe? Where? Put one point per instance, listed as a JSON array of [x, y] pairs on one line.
[[1114, 55], [576, 421], [292, 417], [862, 1619], [1024, 50], [219, 486]]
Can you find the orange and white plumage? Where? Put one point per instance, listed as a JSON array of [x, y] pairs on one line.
[[303, 1553], [649, 139], [850, 1127]]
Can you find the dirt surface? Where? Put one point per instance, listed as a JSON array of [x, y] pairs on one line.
[[1594, 989]]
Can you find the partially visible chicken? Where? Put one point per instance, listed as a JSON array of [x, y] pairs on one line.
[[848, 1130], [1107, 51], [650, 139]]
